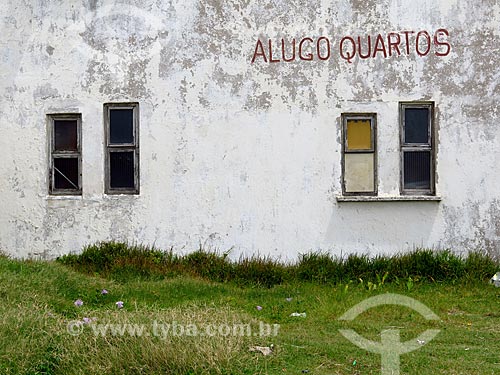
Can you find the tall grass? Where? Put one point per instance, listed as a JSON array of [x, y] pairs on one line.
[[38, 305], [120, 261]]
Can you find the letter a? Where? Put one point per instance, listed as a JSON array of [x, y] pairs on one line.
[[258, 47]]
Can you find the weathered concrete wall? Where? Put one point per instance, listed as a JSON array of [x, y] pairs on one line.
[[235, 154]]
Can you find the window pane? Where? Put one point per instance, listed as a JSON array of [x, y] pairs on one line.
[[417, 125], [65, 135], [358, 173], [121, 126], [359, 135], [121, 169], [417, 172], [66, 173]]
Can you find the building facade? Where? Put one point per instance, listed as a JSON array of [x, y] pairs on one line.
[[263, 127]]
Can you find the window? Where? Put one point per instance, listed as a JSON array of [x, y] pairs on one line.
[[359, 159], [417, 148], [122, 148], [65, 176]]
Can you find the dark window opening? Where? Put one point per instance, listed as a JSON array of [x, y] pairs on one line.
[[121, 167], [121, 126], [417, 125], [66, 173], [417, 170], [65, 135]]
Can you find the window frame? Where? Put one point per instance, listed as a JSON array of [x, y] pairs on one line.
[[60, 154], [372, 117], [121, 147], [430, 146]]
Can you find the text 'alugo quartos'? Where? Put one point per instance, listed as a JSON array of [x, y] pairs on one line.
[[350, 48]]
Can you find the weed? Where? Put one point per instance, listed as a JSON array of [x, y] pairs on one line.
[[409, 284], [37, 304], [210, 265], [263, 271], [123, 262]]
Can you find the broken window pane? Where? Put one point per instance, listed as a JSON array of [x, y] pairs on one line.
[[66, 173], [65, 135], [359, 135], [416, 125], [121, 126], [121, 167], [417, 170], [359, 173]]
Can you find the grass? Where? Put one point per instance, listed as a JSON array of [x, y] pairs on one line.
[[38, 303], [123, 262]]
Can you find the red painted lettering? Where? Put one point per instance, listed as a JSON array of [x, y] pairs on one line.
[[439, 43], [308, 56], [283, 54], [426, 35], [345, 54], [421, 43], [393, 44], [271, 60], [259, 51], [368, 54], [407, 40], [328, 51], [379, 46]]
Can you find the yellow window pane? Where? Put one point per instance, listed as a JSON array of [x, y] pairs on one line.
[[359, 135], [358, 173]]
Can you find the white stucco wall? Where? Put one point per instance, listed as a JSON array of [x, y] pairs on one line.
[[242, 155]]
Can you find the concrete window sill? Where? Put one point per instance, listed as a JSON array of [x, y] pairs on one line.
[[63, 197], [96, 198], [393, 198]]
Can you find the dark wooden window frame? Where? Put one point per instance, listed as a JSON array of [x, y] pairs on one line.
[[53, 153], [373, 123], [428, 146], [121, 147]]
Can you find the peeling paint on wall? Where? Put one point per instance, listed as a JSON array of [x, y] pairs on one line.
[[241, 155]]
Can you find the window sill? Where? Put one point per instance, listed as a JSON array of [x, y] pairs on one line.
[[391, 198], [63, 197], [115, 196]]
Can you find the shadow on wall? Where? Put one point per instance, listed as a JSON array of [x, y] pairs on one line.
[[382, 227]]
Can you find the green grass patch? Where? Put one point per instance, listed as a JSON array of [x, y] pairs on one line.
[[38, 305], [123, 262]]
